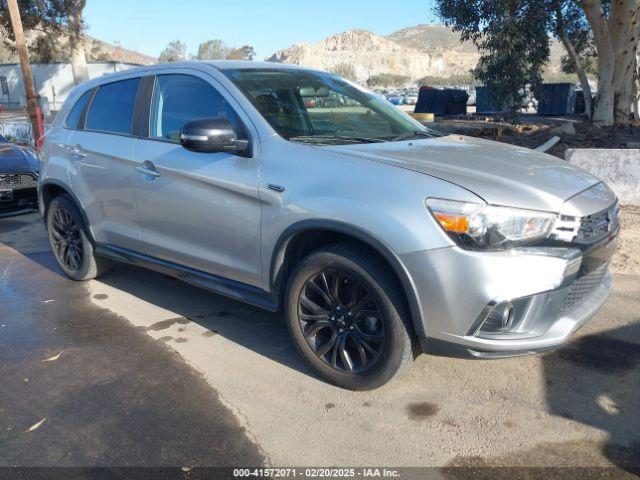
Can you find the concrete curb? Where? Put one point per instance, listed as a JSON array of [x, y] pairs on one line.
[[620, 169]]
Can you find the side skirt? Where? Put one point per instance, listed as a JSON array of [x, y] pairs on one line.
[[220, 285]]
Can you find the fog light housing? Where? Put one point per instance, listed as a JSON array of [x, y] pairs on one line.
[[499, 319]]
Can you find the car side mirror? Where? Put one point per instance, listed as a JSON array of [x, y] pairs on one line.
[[212, 135]]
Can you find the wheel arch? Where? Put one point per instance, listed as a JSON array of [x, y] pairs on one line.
[[50, 189], [306, 236]]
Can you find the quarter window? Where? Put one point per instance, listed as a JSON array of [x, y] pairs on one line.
[[178, 99], [75, 116], [112, 107]]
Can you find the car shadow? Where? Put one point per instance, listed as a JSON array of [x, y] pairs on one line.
[[260, 331], [595, 380]]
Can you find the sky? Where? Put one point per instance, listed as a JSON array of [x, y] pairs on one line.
[[149, 25]]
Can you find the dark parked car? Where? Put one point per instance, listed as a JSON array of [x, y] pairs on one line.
[[18, 178]]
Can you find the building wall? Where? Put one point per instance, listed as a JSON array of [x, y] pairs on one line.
[[48, 77]]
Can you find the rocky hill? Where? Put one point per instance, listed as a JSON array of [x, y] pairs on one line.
[[95, 50], [368, 53], [415, 52], [99, 50]]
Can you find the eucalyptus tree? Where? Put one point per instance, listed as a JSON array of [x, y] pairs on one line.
[[55, 22], [513, 38]]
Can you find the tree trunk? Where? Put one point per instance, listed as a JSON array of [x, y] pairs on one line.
[[79, 63], [582, 76], [76, 42], [635, 102], [625, 29], [616, 39], [603, 109], [605, 99], [575, 59]]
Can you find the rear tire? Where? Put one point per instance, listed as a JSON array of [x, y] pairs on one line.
[[348, 318], [70, 241]]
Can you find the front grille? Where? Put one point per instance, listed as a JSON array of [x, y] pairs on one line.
[[17, 180], [582, 288], [589, 229], [594, 226]]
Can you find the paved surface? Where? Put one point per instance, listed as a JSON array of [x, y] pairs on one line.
[[93, 389], [575, 407]]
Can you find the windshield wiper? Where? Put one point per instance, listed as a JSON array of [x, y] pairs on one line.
[[335, 138], [414, 133]]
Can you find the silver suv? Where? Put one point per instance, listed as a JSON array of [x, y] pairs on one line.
[[293, 189]]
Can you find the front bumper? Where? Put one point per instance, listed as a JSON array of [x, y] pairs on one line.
[[17, 200], [555, 291]]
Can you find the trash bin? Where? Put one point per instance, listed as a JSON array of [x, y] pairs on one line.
[[484, 103], [557, 99]]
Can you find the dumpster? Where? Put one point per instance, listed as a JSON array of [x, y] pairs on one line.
[[442, 102], [484, 103], [557, 99]]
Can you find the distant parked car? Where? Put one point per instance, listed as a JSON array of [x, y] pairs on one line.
[[411, 99], [395, 99], [18, 178]]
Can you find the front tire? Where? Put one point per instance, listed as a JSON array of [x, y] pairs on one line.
[[348, 317], [70, 243]]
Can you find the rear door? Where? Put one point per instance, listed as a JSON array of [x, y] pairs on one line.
[[101, 167], [200, 210]]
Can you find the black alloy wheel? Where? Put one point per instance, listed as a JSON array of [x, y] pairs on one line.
[[348, 317], [342, 321], [66, 239], [71, 242]]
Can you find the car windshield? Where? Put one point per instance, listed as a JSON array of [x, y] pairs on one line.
[[317, 107]]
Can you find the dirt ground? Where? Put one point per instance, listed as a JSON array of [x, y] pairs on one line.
[[533, 131], [627, 260]]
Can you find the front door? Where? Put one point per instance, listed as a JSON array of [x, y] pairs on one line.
[[199, 210]]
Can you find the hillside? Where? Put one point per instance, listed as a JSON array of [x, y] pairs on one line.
[[99, 50], [436, 38], [370, 55], [415, 52], [96, 51]]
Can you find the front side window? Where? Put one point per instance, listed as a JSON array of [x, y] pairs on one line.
[[75, 116], [179, 99], [318, 107], [112, 107]]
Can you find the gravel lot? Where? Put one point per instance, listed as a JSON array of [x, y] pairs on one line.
[[574, 407], [628, 258]]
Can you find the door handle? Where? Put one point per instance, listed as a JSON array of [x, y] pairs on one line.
[[148, 168], [76, 153]]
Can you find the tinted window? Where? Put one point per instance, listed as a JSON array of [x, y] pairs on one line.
[[178, 99], [75, 116], [112, 107]]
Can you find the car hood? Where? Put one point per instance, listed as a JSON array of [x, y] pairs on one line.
[[499, 173], [15, 159]]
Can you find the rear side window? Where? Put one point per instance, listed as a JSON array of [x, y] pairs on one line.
[[75, 116], [112, 108]]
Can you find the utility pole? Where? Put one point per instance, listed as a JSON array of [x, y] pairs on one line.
[[27, 77]]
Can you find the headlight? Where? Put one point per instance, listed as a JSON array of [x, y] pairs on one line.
[[481, 226]]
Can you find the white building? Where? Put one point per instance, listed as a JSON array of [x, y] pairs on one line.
[[53, 81]]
